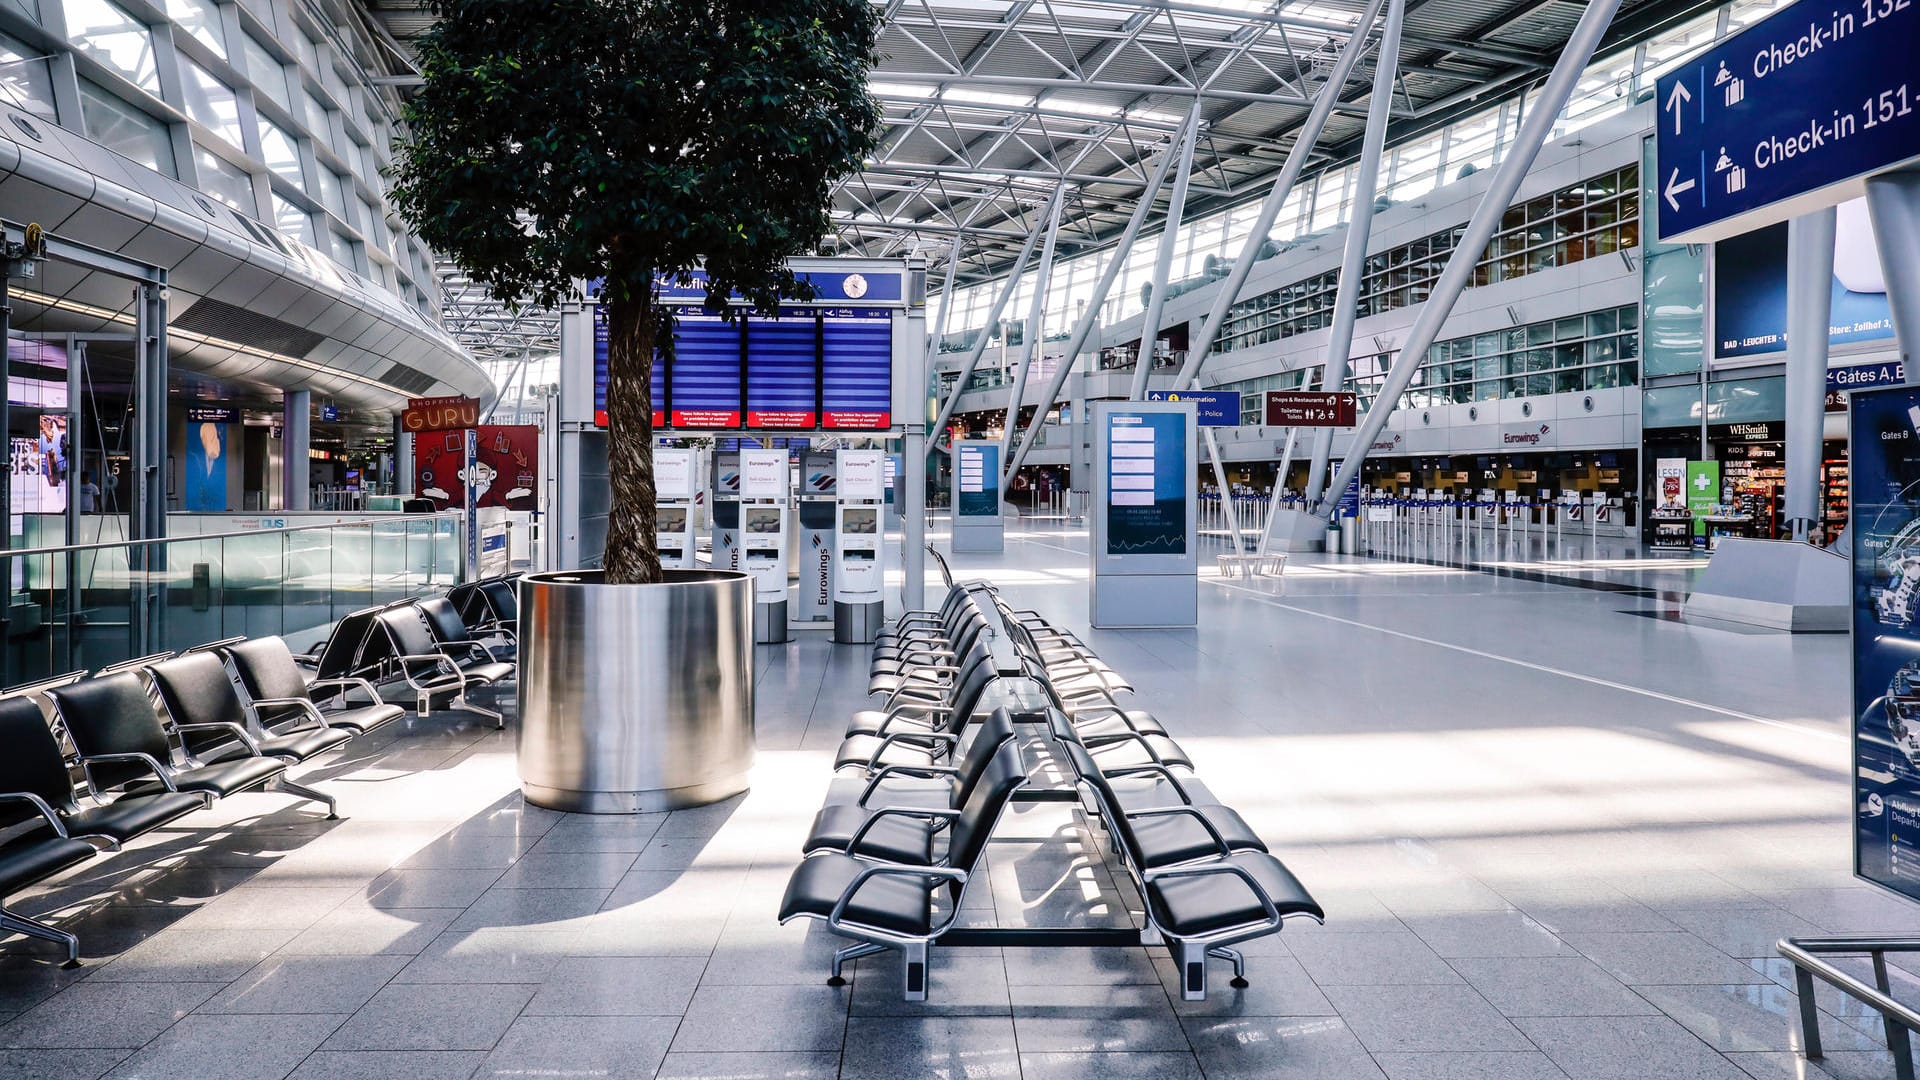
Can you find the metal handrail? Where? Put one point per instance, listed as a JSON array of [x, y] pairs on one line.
[[18, 553], [1899, 1019]]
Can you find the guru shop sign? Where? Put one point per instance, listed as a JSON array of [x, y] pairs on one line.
[[440, 414]]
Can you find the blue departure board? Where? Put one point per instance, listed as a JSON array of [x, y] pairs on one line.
[[856, 375], [782, 376], [705, 383], [600, 338]]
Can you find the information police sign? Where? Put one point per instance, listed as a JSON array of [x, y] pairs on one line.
[[1213, 408], [1788, 116]]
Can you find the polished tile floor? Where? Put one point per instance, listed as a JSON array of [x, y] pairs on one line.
[[1556, 833]]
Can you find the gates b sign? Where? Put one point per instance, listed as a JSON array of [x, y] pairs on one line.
[[440, 414]]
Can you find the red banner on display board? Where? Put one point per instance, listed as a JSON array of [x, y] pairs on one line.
[[506, 475], [857, 421]]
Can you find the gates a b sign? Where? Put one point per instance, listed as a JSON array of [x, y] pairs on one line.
[[440, 414]]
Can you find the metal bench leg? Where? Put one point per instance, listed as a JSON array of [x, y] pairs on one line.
[[1239, 965], [851, 952], [499, 718], [913, 970], [1191, 963], [281, 783], [20, 924]]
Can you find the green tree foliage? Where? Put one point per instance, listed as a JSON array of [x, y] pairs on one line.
[[632, 141]]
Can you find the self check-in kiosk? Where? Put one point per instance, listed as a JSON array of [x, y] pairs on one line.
[[763, 539], [860, 550], [819, 473], [674, 493], [725, 511]]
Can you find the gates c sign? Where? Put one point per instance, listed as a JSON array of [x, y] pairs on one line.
[[440, 414]]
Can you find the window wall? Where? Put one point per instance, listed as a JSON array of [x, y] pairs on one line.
[[259, 105]]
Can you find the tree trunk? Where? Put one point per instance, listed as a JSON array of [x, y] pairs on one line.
[[633, 553]]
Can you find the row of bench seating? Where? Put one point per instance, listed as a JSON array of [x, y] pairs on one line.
[[94, 761], [921, 782]]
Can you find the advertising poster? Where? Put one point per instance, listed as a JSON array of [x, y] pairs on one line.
[[506, 468], [976, 482], [1750, 288], [40, 469], [1670, 483], [1146, 484], [206, 468], [1885, 509], [1703, 487]]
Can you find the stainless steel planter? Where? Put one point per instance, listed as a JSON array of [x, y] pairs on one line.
[[635, 698]]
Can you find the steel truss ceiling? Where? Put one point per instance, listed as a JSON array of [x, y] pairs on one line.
[[989, 104]]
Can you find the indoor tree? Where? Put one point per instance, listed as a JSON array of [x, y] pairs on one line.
[[631, 142]]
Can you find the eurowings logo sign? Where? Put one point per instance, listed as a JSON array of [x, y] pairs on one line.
[[1528, 438]]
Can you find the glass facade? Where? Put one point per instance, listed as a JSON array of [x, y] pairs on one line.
[[1597, 217], [1598, 350], [257, 104]]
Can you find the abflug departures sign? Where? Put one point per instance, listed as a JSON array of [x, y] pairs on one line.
[[1789, 115], [1885, 512]]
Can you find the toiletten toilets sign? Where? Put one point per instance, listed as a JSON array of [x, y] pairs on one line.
[[1884, 507]]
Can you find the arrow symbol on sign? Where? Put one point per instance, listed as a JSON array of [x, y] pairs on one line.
[[1678, 97], [1674, 188]]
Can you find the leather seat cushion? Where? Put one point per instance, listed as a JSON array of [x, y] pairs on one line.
[[859, 749], [1165, 840], [920, 687], [897, 904], [227, 777], [301, 745], [1185, 907], [126, 818], [487, 672], [926, 793], [1138, 720], [1146, 791], [39, 855], [894, 839], [361, 719], [1159, 749], [868, 721]]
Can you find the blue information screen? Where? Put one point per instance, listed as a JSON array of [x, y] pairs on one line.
[[600, 375], [1146, 484], [856, 376], [1884, 498], [782, 370], [706, 371]]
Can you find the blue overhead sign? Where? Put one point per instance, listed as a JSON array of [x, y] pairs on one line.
[[1788, 116], [1211, 408]]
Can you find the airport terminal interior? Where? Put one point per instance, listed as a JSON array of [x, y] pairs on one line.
[[1298, 539]]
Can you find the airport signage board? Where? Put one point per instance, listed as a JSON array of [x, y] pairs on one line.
[[211, 414], [1788, 116], [1884, 511], [440, 414], [1312, 408], [976, 479], [1211, 408], [1843, 380]]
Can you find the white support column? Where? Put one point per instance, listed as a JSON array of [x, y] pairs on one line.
[[1163, 261], [1359, 230], [296, 432], [1030, 339], [1894, 202], [1809, 307], [1542, 111], [1303, 144]]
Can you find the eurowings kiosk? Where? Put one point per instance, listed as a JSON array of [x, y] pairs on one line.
[[977, 525], [859, 546], [763, 539], [676, 494], [1146, 564], [819, 475], [726, 511]]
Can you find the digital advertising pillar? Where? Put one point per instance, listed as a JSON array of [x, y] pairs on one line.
[[860, 550], [725, 510], [1146, 565], [763, 539], [977, 525]]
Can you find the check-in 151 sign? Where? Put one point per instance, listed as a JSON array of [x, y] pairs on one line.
[[1789, 116], [1312, 408]]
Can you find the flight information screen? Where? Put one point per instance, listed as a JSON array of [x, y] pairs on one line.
[[856, 376], [783, 373], [705, 375]]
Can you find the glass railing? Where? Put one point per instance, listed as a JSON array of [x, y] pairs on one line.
[[90, 605]]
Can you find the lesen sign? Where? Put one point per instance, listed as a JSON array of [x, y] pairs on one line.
[[440, 414], [1312, 408]]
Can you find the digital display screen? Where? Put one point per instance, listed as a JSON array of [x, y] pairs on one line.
[[783, 383], [600, 375], [671, 519], [705, 380], [856, 376], [763, 519], [859, 521], [1146, 484]]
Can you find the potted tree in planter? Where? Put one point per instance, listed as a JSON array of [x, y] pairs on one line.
[[631, 142]]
